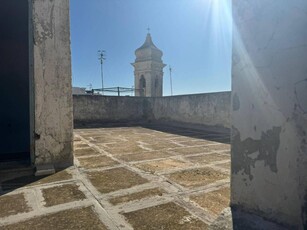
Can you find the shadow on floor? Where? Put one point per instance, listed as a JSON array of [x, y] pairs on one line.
[[205, 133], [13, 179]]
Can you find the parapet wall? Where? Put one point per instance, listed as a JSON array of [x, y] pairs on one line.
[[211, 109], [97, 109]]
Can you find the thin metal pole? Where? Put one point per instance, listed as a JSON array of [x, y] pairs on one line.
[[118, 93], [102, 77], [101, 54], [171, 81]]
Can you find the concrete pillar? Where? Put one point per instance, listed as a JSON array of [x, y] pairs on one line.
[[53, 128], [269, 110]]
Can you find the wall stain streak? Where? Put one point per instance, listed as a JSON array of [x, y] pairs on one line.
[[300, 94], [235, 102], [304, 211], [267, 148]]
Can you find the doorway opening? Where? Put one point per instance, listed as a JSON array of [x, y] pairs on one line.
[[14, 82]]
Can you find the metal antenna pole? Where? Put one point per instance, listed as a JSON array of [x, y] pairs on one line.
[[101, 58], [171, 81]]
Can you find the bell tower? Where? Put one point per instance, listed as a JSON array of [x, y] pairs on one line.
[[148, 70]]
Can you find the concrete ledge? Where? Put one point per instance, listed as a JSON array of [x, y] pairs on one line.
[[44, 170]]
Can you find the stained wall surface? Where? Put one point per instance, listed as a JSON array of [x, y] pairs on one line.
[[96, 109], [212, 109], [269, 110], [52, 83]]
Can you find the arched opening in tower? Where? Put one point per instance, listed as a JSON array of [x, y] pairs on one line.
[[142, 86]]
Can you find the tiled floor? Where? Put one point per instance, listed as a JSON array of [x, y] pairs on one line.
[[128, 178]]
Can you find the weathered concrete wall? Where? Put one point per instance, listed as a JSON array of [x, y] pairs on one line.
[[211, 109], [52, 83], [269, 108], [90, 109]]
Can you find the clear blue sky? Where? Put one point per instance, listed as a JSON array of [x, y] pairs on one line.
[[194, 35]]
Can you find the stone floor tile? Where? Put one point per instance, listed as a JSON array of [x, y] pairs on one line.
[[82, 218], [96, 162], [197, 177], [168, 216], [208, 158], [115, 179], [13, 204], [137, 196], [215, 201], [162, 165], [62, 194], [149, 155], [191, 150], [85, 152]]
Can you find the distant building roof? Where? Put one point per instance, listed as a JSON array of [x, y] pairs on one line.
[[78, 90]]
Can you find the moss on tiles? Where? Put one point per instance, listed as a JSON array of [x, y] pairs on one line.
[[168, 216], [215, 201], [159, 145], [191, 150], [62, 194], [197, 177], [85, 152], [219, 147], [124, 148], [12, 205], [137, 196], [162, 165], [80, 145], [144, 156], [208, 158], [96, 162], [81, 218], [224, 165], [115, 179]]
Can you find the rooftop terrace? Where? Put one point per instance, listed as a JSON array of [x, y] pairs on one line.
[[153, 177]]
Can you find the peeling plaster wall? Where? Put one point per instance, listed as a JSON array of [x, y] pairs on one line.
[[212, 109], [52, 83], [269, 110]]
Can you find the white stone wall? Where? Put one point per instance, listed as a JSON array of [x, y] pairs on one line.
[[269, 109], [208, 109], [198, 110], [52, 83]]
